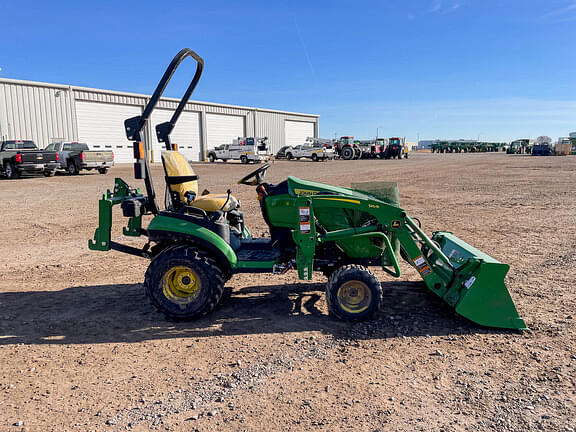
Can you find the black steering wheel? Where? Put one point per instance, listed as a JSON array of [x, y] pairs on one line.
[[255, 177]]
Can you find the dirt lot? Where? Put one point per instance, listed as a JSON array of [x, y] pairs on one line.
[[82, 349]]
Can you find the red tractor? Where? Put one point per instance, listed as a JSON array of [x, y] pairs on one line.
[[347, 148]]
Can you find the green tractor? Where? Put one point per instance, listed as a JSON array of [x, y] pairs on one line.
[[439, 147], [198, 242]]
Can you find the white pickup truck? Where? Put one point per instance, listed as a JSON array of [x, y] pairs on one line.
[[243, 149], [307, 151]]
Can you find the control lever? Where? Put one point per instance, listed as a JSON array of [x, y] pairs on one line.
[[229, 192]]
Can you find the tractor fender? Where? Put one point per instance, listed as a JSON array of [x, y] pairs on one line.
[[179, 230], [169, 239]]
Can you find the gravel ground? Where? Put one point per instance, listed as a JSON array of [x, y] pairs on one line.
[[82, 349]]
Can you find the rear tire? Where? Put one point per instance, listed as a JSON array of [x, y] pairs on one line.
[[11, 172], [353, 293], [244, 159], [72, 168], [314, 157], [49, 173], [184, 283], [103, 170], [211, 158], [289, 156], [347, 153]]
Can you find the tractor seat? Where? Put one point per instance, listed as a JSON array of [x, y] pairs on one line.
[[182, 180]]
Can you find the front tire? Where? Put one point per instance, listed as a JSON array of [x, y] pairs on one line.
[[314, 157], [211, 158], [184, 283], [353, 293], [103, 170], [244, 159]]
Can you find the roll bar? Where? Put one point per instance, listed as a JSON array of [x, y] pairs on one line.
[[135, 125]]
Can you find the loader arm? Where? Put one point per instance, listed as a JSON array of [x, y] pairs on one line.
[[467, 279]]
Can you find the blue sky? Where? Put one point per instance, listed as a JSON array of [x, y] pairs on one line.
[[499, 69]]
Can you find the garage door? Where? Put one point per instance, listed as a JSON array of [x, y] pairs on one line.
[[296, 132], [101, 126], [186, 133], [222, 129]]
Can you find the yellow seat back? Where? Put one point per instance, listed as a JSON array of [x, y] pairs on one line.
[[176, 165]]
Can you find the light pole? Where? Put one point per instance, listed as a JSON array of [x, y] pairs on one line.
[[377, 129]]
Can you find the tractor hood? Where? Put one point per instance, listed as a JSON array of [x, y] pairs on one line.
[[377, 191]]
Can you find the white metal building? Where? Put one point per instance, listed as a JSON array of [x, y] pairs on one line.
[[46, 112]]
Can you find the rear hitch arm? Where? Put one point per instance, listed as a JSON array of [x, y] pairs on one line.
[[102, 235]]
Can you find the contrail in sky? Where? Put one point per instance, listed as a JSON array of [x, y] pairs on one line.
[[304, 48]]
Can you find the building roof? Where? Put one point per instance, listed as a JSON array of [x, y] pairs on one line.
[[121, 93]]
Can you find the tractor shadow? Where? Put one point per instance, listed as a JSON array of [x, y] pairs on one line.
[[122, 313]]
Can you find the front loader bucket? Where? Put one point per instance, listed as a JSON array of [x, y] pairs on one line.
[[477, 290]]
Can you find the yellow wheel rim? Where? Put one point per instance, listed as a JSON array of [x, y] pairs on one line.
[[354, 296], [181, 285]]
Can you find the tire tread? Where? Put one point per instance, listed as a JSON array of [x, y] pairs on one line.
[[199, 256], [349, 272]]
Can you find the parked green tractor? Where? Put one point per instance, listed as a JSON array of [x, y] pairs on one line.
[[198, 242]]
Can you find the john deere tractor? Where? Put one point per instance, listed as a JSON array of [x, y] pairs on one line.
[[197, 242]]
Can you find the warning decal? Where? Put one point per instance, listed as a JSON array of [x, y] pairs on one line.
[[422, 266], [469, 282], [425, 271], [420, 261], [304, 213]]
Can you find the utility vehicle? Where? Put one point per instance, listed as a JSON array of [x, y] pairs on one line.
[[310, 151], [243, 149]]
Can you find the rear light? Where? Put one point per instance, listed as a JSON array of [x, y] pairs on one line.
[[112, 155], [18, 158], [57, 157], [82, 157], [139, 153]]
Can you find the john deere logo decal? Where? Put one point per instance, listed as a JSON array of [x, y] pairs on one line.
[[395, 224], [305, 192]]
